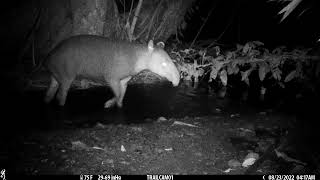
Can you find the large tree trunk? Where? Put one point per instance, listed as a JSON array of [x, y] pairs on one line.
[[64, 18], [111, 23]]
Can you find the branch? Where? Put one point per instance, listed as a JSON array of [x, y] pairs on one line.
[[134, 21], [152, 19], [289, 8], [205, 21]]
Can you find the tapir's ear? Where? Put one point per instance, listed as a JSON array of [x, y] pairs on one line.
[[150, 45], [160, 44]]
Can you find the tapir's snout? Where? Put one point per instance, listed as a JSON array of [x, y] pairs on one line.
[[176, 83], [173, 75], [176, 77]]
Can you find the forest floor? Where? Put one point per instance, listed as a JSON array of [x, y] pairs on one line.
[[191, 145]]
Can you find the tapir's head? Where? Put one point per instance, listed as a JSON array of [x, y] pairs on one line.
[[161, 63]]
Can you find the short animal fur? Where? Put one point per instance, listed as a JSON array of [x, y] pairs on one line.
[[110, 62]]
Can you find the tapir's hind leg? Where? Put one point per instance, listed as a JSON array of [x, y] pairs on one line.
[[52, 90], [63, 91]]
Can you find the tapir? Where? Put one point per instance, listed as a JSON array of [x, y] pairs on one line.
[[112, 63]]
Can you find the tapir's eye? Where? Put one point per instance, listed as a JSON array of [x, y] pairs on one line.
[[164, 64]]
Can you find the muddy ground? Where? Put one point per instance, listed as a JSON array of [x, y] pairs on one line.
[[204, 145]]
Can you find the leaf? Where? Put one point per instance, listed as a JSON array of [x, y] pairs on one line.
[[232, 69], [254, 52], [239, 47], [202, 52], [258, 43], [219, 58], [262, 72], [289, 8], [290, 76], [246, 48], [200, 71], [229, 55], [266, 51], [247, 81], [278, 50], [275, 62], [245, 75], [236, 70], [276, 73], [224, 77], [217, 50], [213, 73], [215, 68]]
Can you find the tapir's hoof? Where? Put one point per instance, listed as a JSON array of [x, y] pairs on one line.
[[47, 99], [119, 104], [110, 103], [61, 104]]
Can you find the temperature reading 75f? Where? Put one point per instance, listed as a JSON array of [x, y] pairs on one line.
[[86, 177]]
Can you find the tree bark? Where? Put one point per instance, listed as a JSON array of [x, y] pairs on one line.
[[88, 16]]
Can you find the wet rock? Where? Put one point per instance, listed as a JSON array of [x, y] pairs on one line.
[[161, 119], [250, 159]]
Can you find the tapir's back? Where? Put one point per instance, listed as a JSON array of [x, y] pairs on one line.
[[93, 57]]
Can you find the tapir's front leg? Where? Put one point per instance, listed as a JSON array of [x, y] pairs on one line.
[[123, 88], [119, 89], [52, 90], [115, 87]]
